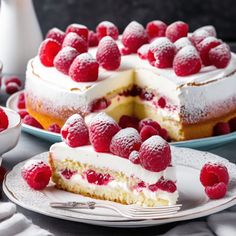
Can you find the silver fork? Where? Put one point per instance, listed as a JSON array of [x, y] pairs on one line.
[[129, 211]]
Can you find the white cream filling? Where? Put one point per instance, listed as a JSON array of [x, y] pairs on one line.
[[86, 155]]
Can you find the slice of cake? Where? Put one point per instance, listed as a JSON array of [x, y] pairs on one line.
[[118, 166]]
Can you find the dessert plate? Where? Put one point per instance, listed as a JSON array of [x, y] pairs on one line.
[[194, 202], [202, 143]]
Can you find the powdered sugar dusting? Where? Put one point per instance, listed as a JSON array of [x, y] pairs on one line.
[[182, 42]]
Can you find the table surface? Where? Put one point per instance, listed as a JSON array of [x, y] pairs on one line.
[[29, 146]]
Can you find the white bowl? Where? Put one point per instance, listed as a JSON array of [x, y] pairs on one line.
[[10, 136]]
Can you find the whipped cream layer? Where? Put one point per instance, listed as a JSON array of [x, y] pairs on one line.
[[87, 155]]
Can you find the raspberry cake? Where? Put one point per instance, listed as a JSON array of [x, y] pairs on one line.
[[117, 166], [185, 81]]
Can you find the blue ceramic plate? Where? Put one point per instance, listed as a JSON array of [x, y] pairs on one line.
[[202, 143]]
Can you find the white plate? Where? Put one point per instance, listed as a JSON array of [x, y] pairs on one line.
[[192, 196], [202, 143]]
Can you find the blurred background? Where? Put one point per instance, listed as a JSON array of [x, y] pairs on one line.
[[220, 13]]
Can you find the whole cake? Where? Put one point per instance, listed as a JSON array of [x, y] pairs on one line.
[[118, 165], [185, 81]]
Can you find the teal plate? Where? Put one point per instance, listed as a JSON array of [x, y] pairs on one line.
[[202, 143]]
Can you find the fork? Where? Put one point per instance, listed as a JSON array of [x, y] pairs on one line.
[[128, 211]]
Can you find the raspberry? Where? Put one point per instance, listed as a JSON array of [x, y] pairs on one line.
[[21, 101], [205, 46], [13, 79], [155, 29], [220, 55], [56, 34], [187, 61], [4, 122], [36, 173], [134, 36], [55, 128], [101, 129], [99, 104], [64, 59], [176, 30], [91, 176], [221, 128], [182, 42], [143, 51], [155, 154], [134, 157], [92, 39], [216, 191], [165, 185], [12, 87], [48, 50], [108, 54], [29, 120], [75, 41], [80, 30], [125, 51], [214, 173], [232, 124], [67, 174], [164, 134], [84, 68], [150, 122], [161, 102], [75, 132], [107, 28], [161, 53], [128, 121], [146, 95], [125, 141], [147, 131], [23, 113]]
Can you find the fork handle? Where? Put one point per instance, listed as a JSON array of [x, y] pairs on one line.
[[69, 205]]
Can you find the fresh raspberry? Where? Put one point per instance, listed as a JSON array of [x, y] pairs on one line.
[[21, 101], [128, 121], [67, 173], [108, 54], [12, 87], [75, 41], [147, 131], [48, 50], [232, 124], [99, 104], [220, 55], [3, 172], [165, 185], [92, 39], [107, 28], [161, 102], [150, 122], [210, 29], [161, 53], [29, 120], [187, 61], [125, 141], [164, 134], [84, 68], [23, 113], [75, 132], [155, 29], [101, 129], [205, 46], [134, 157], [221, 128], [125, 51], [4, 122], [64, 59], [56, 34], [13, 79], [143, 51], [214, 173], [155, 154], [134, 36], [55, 128], [182, 42], [36, 173], [216, 191], [80, 30], [177, 30]]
